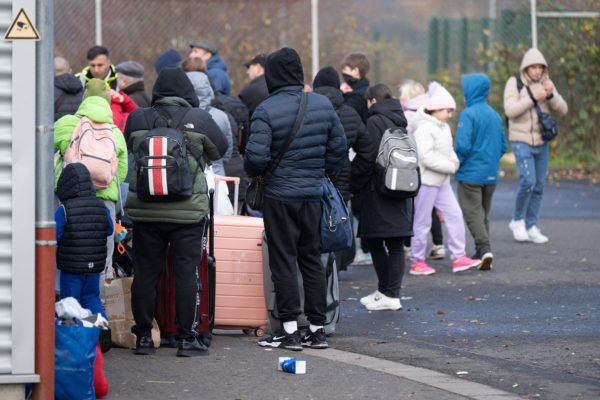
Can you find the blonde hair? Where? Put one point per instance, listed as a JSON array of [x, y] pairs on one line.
[[409, 89], [193, 64]]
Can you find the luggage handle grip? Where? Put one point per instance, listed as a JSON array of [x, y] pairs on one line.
[[233, 179]]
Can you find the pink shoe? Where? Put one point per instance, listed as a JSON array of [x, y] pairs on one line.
[[420, 268], [464, 263]]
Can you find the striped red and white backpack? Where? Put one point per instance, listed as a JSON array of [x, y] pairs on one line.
[[93, 144], [162, 166]]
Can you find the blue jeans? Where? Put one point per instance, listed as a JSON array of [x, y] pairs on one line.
[[84, 288], [532, 167]]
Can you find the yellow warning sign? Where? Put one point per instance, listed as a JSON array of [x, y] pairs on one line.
[[22, 28]]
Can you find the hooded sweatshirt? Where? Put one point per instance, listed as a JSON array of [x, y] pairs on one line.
[[172, 95], [205, 96], [519, 108], [480, 138], [97, 109], [319, 144], [217, 72]]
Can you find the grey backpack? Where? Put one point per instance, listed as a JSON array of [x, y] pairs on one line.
[[397, 171]]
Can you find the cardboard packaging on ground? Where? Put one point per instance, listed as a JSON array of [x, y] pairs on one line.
[[117, 307]]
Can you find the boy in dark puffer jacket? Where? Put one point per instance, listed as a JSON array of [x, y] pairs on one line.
[[83, 223]]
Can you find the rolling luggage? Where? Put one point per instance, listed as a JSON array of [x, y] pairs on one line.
[[239, 292], [165, 292], [332, 312]]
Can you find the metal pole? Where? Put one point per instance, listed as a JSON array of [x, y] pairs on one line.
[[492, 28], [315, 36], [45, 232], [533, 24], [98, 22]]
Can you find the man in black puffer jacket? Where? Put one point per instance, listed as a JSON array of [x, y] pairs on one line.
[[68, 91], [292, 208], [178, 223]]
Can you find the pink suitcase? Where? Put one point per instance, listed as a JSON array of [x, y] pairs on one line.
[[239, 293]]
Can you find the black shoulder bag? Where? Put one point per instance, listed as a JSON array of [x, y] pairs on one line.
[[256, 189], [547, 124]]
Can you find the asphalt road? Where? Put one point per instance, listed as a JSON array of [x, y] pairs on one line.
[[530, 326]]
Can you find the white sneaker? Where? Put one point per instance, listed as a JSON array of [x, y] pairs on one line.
[[407, 252], [518, 230], [536, 236], [370, 298], [437, 252], [382, 302]]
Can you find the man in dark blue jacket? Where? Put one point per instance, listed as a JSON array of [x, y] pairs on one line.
[[292, 207]]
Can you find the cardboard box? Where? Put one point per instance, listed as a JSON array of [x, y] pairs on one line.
[[117, 307]]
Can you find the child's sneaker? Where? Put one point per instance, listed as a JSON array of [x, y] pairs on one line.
[[383, 302], [369, 299], [437, 252], [282, 339], [464, 263], [486, 261], [420, 268]]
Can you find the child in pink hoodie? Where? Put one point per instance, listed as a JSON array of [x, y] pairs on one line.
[[437, 161]]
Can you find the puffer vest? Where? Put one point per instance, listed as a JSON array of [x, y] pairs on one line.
[[82, 246]]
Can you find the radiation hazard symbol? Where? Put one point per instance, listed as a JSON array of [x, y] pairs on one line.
[[22, 28]]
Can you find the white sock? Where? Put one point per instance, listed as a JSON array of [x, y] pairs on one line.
[[290, 326], [314, 328]]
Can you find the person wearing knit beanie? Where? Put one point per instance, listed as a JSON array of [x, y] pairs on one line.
[[439, 98], [96, 87]]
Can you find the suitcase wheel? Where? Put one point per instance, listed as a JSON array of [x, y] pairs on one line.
[[257, 332]]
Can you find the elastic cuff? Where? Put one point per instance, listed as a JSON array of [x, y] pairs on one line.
[[549, 97]]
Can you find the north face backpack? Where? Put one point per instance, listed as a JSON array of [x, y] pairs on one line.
[[93, 144], [162, 167], [397, 171]]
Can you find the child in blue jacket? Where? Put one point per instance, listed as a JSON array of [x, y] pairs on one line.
[[480, 143]]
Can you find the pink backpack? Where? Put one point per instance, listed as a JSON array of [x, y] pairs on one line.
[[93, 144]]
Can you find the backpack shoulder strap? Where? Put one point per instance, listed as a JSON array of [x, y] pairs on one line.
[[519, 82]]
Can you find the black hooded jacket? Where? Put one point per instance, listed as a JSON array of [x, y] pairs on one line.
[[81, 248], [356, 98], [319, 144], [384, 216], [356, 138], [173, 98], [68, 93]]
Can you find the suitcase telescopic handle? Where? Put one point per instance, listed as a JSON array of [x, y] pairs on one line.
[[211, 222]]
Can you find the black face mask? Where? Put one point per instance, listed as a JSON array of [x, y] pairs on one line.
[[350, 80]]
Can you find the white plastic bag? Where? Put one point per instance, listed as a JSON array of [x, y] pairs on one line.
[[223, 205]]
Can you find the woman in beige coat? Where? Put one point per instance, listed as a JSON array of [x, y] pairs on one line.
[[530, 150]]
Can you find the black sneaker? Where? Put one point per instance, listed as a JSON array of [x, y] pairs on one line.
[[144, 345], [486, 261], [105, 340], [315, 340], [191, 348], [282, 339]]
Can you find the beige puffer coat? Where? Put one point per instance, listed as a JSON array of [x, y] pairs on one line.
[[518, 106]]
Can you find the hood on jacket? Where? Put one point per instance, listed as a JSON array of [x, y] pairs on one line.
[[334, 94], [75, 181], [414, 103], [475, 88], [174, 82], [68, 83], [283, 68], [391, 109], [96, 109], [202, 87], [327, 76], [532, 57], [215, 62], [439, 98], [169, 59], [97, 87]]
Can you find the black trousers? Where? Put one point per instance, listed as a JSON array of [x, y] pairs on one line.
[[150, 241], [293, 234], [389, 264]]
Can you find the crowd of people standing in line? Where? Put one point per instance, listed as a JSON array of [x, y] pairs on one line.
[[339, 134]]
